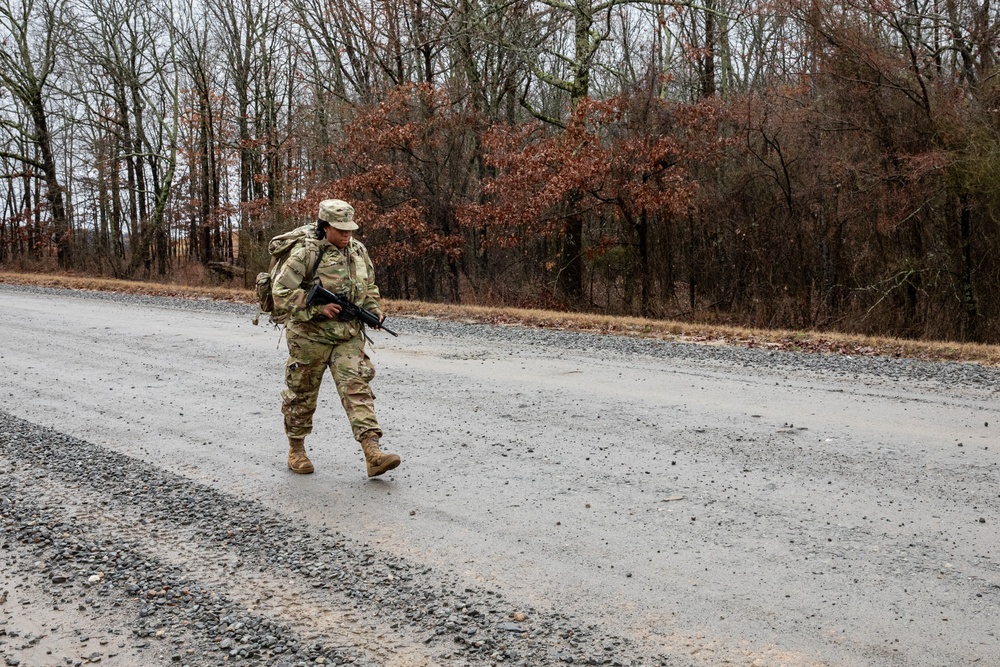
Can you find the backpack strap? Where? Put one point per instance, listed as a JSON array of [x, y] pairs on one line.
[[315, 268]]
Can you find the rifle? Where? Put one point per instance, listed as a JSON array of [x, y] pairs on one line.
[[320, 296]]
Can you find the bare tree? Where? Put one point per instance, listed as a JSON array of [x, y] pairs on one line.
[[262, 71], [31, 37], [161, 101], [196, 53]]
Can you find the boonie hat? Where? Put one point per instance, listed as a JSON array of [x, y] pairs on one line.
[[338, 214]]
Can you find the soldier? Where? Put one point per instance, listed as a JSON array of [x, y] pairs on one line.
[[317, 340]]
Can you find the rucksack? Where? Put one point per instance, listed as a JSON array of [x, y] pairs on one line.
[[280, 248]]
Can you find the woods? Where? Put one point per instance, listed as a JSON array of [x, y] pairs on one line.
[[782, 164]]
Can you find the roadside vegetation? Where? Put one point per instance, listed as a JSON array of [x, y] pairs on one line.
[[791, 164], [816, 342]]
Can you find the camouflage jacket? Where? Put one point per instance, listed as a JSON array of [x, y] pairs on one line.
[[349, 271]]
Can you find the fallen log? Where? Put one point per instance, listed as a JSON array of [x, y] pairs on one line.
[[227, 269]]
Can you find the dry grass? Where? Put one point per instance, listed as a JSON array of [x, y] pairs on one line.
[[127, 287], [802, 341]]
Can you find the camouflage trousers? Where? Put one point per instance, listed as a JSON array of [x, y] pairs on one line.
[[352, 370]]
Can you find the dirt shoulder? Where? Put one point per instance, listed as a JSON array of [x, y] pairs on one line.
[[813, 342]]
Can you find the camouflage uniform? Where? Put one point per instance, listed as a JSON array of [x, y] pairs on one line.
[[317, 344]]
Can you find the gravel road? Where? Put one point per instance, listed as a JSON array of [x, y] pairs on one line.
[[563, 499]]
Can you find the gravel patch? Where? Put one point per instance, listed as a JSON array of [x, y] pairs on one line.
[[91, 527]]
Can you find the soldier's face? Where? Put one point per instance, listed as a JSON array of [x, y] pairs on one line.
[[338, 237]]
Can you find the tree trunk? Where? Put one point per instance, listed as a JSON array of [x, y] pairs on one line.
[[971, 310], [642, 232], [708, 59], [571, 261], [53, 191]]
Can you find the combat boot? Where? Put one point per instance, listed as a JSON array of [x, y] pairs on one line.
[[298, 462], [377, 460]]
